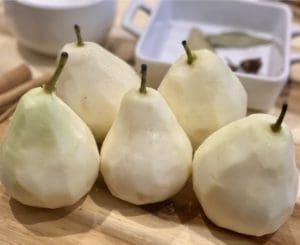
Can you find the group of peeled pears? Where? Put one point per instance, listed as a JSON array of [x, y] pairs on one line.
[[243, 168]]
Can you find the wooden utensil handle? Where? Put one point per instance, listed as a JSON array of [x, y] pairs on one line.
[[18, 91], [3, 108], [14, 77], [10, 110]]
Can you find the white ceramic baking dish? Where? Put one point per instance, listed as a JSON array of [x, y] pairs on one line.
[[171, 21]]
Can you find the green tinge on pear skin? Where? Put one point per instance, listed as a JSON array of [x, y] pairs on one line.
[[245, 176], [49, 157]]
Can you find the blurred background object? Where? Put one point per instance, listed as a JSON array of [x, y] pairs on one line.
[[239, 31], [45, 26], [125, 45]]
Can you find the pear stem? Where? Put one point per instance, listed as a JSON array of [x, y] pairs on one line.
[[50, 86], [143, 89], [78, 35], [190, 56], [276, 127]]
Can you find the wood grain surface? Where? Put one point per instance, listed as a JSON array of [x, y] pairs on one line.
[[99, 218]]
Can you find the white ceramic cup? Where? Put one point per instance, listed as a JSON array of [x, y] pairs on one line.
[[45, 26]]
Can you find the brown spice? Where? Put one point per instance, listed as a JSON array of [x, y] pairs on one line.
[[251, 65]]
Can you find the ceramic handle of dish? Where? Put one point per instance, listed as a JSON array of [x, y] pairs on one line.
[[295, 56], [131, 12], [296, 30]]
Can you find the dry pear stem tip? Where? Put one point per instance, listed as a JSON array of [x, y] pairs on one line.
[[190, 57], [276, 127], [143, 89], [78, 35], [50, 86]]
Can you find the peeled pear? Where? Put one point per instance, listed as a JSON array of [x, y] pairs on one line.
[[93, 83], [146, 155], [245, 175], [49, 157], [203, 93]]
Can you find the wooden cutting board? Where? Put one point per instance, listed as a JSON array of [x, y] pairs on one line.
[[99, 218]]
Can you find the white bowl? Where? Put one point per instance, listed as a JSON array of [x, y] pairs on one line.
[[171, 21], [45, 26]]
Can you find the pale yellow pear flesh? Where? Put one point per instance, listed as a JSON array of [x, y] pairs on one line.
[[204, 96], [245, 176], [93, 83], [49, 157], [146, 156]]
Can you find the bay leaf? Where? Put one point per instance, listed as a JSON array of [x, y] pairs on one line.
[[235, 39], [196, 40]]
